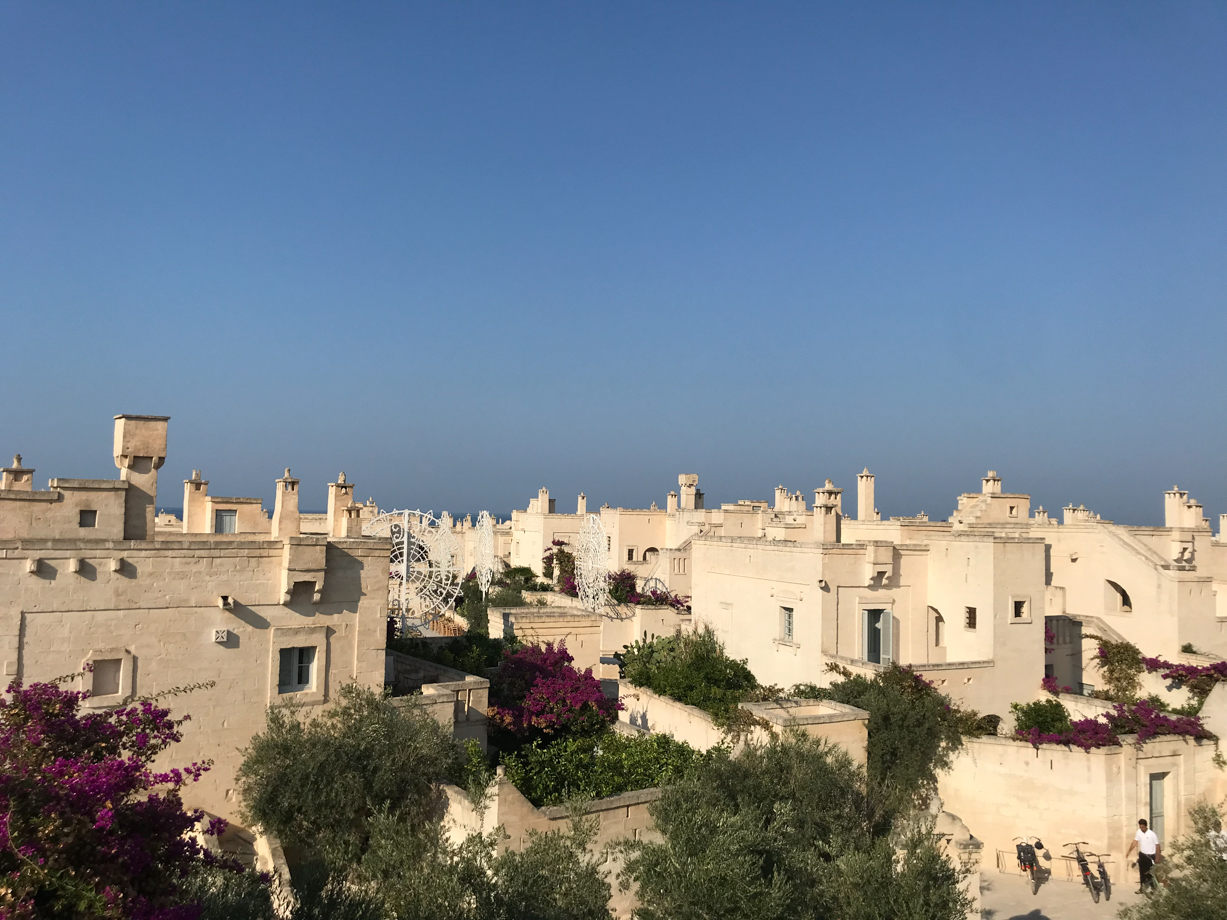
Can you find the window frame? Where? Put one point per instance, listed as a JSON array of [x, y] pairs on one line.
[[1015, 600], [970, 617], [229, 514], [90, 514], [127, 673], [287, 637]]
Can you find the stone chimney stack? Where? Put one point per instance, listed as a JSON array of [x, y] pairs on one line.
[[140, 451], [781, 499], [545, 504], [285, 510], [991, 483], [671, 503], [351, 521], [17, 477], [691, 497], [581, 506], [865, 510], [340, 497], [826, 523], [195, 491], [1173, 507], [829, 495]]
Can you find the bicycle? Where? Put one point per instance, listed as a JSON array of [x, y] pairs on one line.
[[1104, 881], [1093, 884], [1028, 861]]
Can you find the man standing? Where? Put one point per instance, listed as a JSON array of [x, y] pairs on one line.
[[1149, 853]]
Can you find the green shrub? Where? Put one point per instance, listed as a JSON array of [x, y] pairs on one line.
[[913, 729], [596, 766], [787, 830], [1049, 716], [473, 606], [1122, 666], [691, 668], [315, 782], [472, 653]]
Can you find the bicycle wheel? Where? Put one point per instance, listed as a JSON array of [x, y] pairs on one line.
[[1035, 880], [1094, 886], [1107, 887]]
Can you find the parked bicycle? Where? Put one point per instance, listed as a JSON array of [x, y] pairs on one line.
[[1093, 883], [1028, 859], [1104, 881]]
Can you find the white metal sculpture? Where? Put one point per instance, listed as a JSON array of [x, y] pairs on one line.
[[591, 564], [484, 563], [424, 578]]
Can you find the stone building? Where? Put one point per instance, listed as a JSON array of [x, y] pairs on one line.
[[964, 600], [235, 596]]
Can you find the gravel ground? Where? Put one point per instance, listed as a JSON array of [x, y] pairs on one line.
[[1009, 897]]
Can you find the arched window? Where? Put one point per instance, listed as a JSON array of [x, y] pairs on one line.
[[651, 554], [1118, 599], [939, 627]]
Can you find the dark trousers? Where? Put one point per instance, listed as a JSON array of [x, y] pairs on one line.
[[1144, 866]]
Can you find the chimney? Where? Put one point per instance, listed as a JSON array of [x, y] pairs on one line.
[[285, 509], [829, 495], [351, 522], [991, 484], [545, 504], [688, 484], [1173, 507], [581, 506], [140, 451], [340, 497], [827, 523], [865, 511], [671, 503], [17, 477], [195, 491], [781, 499]]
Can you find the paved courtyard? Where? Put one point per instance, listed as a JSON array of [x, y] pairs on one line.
[[1009, 897]]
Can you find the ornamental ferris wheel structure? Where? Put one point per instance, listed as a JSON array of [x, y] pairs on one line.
[[424, 576]]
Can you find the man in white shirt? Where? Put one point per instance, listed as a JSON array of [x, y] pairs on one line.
[[1149, 853]]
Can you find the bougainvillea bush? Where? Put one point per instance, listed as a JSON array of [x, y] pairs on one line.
[[537, 693], [623, 589], [1199, 680], [87, 827], [1143, 719]]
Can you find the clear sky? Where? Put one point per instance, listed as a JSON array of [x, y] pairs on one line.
[[465, 250]]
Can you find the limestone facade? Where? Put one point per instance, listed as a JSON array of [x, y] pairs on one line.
[[86, 575], [793, 588]]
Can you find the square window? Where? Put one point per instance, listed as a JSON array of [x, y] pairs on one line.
[[786, 624], [1020, 610], [87, 519], [296, 669], [969, 617], [226, 522], [106, 676], [1013, 510], [630, 555]]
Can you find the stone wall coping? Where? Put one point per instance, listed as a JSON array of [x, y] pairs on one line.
[[16, 495], [777, 712], [224, 499], [105, 484], [635, 689], [625, 800], [916, 666], [1127, 741], [471, 682], [192, 544]]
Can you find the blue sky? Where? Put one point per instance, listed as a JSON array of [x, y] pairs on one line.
[[462, 251]]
